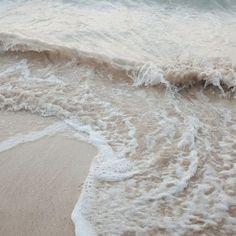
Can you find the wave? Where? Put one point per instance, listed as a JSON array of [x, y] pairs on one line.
[[217, 72]]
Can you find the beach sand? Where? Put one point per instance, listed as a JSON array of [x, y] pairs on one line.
[[40, 181]]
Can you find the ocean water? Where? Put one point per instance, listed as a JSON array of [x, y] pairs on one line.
[[152, 85]]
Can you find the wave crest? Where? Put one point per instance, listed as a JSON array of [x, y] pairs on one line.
[[217, 72]]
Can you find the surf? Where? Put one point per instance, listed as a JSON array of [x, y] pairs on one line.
[[218, 72], [152, 85]]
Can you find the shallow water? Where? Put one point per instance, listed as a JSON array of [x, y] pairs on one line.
[[152, 85]]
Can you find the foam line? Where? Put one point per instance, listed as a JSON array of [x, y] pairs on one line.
[[32, 136]]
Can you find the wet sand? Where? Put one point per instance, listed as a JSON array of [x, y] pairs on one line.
[[40, 182]]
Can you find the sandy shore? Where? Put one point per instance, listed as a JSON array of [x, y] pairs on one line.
[[40, 181]]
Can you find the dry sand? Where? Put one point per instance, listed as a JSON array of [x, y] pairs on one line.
[[40, 183]]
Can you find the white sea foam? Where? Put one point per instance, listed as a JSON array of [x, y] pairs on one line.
[[106, 167]]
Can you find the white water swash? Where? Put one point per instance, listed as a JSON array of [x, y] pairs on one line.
[[152, 85]]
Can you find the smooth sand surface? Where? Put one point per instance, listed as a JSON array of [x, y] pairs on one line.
[[40, 183]]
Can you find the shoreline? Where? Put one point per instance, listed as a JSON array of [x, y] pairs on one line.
[[40, 183]]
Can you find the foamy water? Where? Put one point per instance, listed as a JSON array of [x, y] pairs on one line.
[[152, 85]]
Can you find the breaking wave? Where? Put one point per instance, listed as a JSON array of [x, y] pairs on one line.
[[218, 72]]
